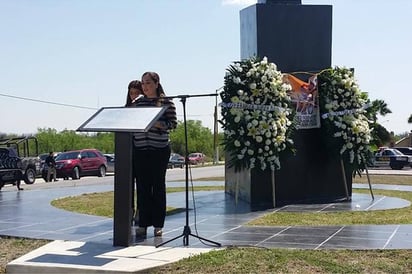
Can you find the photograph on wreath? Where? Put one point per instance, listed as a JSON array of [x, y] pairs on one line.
[[305, 99]]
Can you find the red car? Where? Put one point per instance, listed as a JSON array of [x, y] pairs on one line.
[[196, 158], [78, 163]]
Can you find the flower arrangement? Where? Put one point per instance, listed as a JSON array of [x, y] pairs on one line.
[[256, 115], [344, 122]]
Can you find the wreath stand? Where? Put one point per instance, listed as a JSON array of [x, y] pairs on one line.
[[346, 184]]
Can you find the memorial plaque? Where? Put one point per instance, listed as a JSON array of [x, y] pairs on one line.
[[122, 119]]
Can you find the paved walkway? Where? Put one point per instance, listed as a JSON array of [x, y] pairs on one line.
[[84, 243]]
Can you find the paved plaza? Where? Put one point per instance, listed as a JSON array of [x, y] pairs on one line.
[[84, 243]]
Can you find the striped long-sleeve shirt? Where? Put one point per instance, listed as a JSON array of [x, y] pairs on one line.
[[156, 137]]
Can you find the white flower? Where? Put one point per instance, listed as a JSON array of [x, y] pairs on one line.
[[343, 100], [264, 79], [261, 131], [264, 60]]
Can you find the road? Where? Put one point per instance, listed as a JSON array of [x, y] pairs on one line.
[[388, 171], [178, 174], [172, 175]]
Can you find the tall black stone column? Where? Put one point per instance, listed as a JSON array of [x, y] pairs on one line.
[[293, 36]]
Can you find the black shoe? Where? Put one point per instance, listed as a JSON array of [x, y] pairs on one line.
[[141, 232]]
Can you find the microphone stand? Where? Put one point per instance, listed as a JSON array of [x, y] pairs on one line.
[[186, 230]]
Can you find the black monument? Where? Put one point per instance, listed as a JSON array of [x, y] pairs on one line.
[[297, 38]]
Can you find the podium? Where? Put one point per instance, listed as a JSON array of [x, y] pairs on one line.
[[123, 121]]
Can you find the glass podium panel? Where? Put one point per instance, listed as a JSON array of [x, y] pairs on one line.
[[122, 119]]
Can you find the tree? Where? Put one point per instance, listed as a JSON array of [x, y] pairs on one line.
[[200, 139], [105, 141], [70, 140], [380, 135], [47, 140], [410, 119], [379, 107], [51, 140]]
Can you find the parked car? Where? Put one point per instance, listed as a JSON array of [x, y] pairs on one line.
[[196, 158], [110, 162], [176, 160], [78, 163], [393, 158], [405, 150]]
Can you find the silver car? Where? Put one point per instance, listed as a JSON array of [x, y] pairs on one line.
[[110, 162]]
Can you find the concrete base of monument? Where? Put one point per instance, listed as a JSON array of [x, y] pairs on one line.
[[267, 189], [311, 175]]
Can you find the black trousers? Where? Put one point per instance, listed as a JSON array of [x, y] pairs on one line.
[[151, 166]]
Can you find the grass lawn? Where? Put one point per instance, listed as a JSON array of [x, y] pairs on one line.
[[263, 260], [259, 260]]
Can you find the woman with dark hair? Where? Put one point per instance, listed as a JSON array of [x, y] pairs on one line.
[[134, 90], [152, 151]]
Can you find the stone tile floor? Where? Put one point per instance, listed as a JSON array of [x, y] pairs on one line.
[[215, 218]]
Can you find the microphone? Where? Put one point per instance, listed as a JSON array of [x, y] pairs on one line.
[[137, 98]]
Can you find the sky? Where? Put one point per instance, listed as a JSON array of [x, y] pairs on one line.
[[62, 60]]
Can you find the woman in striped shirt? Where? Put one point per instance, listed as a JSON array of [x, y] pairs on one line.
[[152, 152]]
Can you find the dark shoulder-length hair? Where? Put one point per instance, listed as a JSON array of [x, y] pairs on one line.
[[133, 84], [155, 77]]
